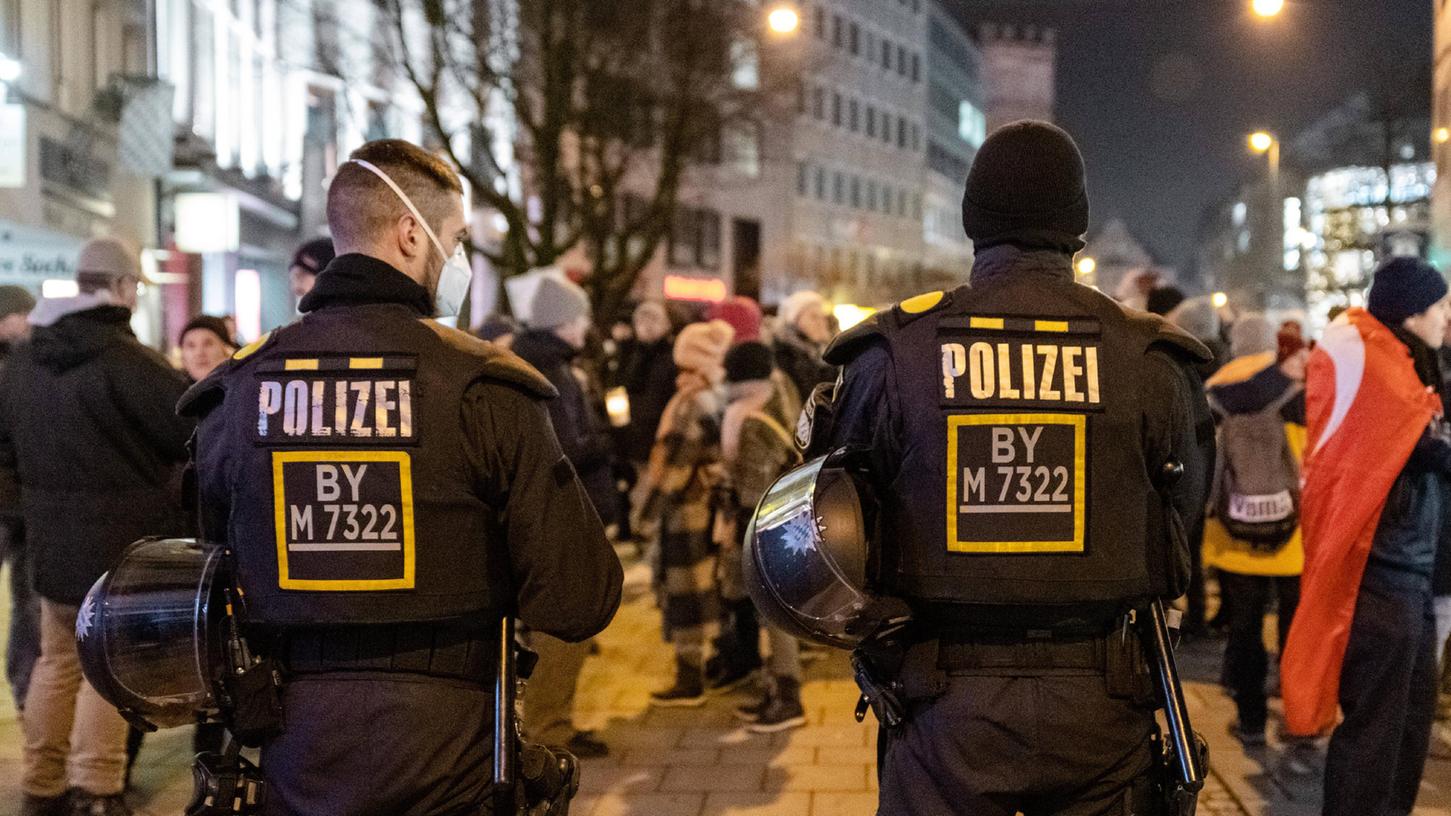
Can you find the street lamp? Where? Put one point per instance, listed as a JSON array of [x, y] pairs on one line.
[[1268, 8], [783, 20], [1086, 266], [1264, 142], [1441, 135]]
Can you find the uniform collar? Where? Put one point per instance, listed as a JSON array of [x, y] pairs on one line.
[[359, 280], [1005, 259]]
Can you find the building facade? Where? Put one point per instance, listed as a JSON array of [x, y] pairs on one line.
[[1440, 131]]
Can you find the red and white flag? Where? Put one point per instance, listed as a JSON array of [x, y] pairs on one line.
[[1365, 409]]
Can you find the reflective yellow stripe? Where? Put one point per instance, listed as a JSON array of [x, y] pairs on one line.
[[365, 362], [246, 351], [921, 303], [1050, 325], [300, 365], [985, 322]]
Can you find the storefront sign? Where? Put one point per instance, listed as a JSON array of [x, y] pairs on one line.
[[28, 257]]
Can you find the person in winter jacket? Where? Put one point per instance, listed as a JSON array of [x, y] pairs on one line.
[[89, 432], [757, 447], [1254, 576], [205, 344], [1376, 460], [647, 372], [684, 469], [559, 324], [22, 648], [801, 335]]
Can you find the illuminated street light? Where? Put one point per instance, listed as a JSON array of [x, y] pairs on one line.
[[1442, 135], [783, 20], [1219, 299], [1086, 266], [1260, 141], [1268, 8]]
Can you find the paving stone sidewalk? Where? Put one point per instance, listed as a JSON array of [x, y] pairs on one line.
[[698, 762]]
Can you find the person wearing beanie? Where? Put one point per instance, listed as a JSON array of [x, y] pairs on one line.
[[558, 327], [16, 304], [756, 447], [90, 437], [498, 329], [801, 335], [677, 488], [1200, 320], [310, 259], [1260, 411], [1380, 467], [742, 313], [204, 345], [1025, 371]]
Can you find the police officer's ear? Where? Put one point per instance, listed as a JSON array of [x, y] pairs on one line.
[[412, 239]]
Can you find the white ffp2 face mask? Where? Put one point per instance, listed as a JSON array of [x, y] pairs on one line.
[[456, 275]]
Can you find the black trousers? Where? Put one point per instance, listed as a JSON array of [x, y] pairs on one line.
[[1246, 662], [1388, 695], [1044, 745], [368, 743]]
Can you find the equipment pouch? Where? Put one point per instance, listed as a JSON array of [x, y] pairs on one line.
[[1126, 670], [255, 693]]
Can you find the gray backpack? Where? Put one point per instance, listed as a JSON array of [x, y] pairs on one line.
[[1256, 491]]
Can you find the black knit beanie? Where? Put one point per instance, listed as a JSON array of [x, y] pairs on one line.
[[1027, 188], [1402, 288], [748, 361]]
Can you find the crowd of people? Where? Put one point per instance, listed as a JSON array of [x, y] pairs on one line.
[[678, 418]]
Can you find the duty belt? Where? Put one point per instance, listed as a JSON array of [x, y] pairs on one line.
[[955, 656], [436, 650]]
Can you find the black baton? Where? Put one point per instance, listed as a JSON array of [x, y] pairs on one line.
[[1176, 708], [505, 725]]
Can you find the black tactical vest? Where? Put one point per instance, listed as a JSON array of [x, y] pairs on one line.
[[353, 501], [1023, 478]]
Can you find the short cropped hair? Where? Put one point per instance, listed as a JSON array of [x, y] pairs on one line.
[[361, 206]]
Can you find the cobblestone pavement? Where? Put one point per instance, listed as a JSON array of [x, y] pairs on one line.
[[684, 762]]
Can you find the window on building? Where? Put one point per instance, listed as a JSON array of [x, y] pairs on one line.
[[901, 60], [836, 109], [916, 138], [856, 192], [854, 39], [819, 16], [709, 254], [836, 32], [887, 129], [741, 147], [684, 237], [971, 123], [820, 184], [872, 196], [10, 28], [871, 121], [902, 203], [916, 207], [886, 55], [916, 67], [901, 132], [802, 180], [801, 97], [818, 103], [838, 190], [853, 121]]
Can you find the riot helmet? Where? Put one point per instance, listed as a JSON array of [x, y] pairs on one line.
[[808, 552], [150, 634]]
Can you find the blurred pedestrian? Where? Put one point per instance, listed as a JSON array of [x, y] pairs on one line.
[[89, 432], [310, 259], [499, 329], [558, 326], [1163, 299], [742, 314], [757, 447], [205, 345], [647, 373], [22, 647], [684, 469], [1364, 633], [801, 335], [1252, 535]]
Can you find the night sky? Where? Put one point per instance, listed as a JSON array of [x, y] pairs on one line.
[[1160, 94]]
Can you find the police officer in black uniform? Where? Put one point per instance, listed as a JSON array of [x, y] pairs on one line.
[[1037, 451], [390, 488]]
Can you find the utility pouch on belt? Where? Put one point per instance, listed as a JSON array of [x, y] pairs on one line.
[[254, 712], [1127, 670]]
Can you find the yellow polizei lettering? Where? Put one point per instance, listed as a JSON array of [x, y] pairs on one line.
[[1005, 373], [1071, 371], [1090, 358], [360, 410], [954, 365], [1030, 383], [981, 374], [319, 428], [1046, 391]]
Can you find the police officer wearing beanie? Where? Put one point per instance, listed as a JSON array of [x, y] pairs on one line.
[[389, 488], [1037, 451]]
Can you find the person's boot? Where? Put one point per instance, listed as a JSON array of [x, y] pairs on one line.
[[31, 805], [783, 709], [89, 804], [688, 690]]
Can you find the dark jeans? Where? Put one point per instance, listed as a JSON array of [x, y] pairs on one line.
[[1043, 745], [1388, 694], [23, 647], [1246, 662], [366, 743]]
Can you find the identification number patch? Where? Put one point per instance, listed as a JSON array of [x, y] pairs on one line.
[[344, 520], [1016, 483]]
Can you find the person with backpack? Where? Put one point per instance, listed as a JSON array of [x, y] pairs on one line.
[[756, 447], [1252, 534]]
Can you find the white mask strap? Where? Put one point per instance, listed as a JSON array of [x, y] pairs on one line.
[[406, 202]]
